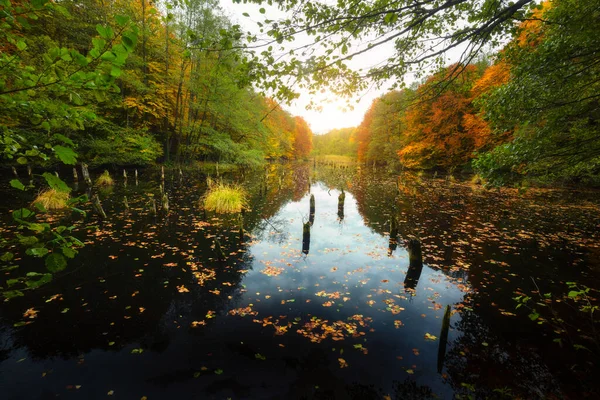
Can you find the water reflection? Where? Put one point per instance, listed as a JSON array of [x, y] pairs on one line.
[[150, 308]]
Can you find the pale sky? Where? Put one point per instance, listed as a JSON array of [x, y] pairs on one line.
[[331, 116]]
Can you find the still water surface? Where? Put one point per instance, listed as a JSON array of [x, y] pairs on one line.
[[146, 309]]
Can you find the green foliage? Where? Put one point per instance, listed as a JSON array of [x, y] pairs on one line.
[[551, 100], [341, 142], [111, 144]]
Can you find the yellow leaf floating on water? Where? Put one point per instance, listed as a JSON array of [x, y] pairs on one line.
[[429, 336], [343, 363], [182, 289]]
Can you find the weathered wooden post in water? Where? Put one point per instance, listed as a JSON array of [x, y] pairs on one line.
[[393, 236], [98, 206], [75, 176], [15, 173], [125, 202], [341, 200], [165, 203], [86, 174], [415, 267], [443, 340], [241, 222], [136, 178], [219, 251], [311, 216], [153, 206], [306, 237]]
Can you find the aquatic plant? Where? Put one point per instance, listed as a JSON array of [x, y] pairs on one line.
[[224, 198], [52, 199], [105, 179]]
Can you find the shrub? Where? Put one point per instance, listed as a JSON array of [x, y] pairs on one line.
[[52, 199], [224, 198], [105, 179]]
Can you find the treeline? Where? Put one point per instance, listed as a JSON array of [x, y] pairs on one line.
[[341, 142], [531, 113], [133, 82]]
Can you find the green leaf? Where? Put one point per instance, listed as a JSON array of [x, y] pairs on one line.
[[27, 240], [21, 45], [17, 184], [37, 251], [65, 154], [7, 256], [122, 20], [22, 160], [262, 10], [64, 139], [115, 71], [533, 316], [22, 213], [69, 252], [36, 283], [572, 293], [55, 182], [11, 294], [56, 262], [105, 32]]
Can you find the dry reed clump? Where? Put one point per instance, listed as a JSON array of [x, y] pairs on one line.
[[105, 179], [52, 199], [224, 198]]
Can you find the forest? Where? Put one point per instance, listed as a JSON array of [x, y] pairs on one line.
[[132, 83], [169, 229], [528, 113]]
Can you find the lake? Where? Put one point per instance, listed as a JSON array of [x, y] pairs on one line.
[[147, 309]]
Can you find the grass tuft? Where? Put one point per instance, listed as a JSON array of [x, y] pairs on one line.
[[105, 179], [224, 198], [52, 199]]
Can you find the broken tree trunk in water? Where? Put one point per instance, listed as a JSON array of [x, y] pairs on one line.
[[306, 237], [311, 215], [415, 267], [165, 203], [393, 243], [443, 340], [98, 206], [341, 200], [153, 206], [219, 251]]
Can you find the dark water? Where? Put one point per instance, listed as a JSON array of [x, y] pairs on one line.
[[147, 309]]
